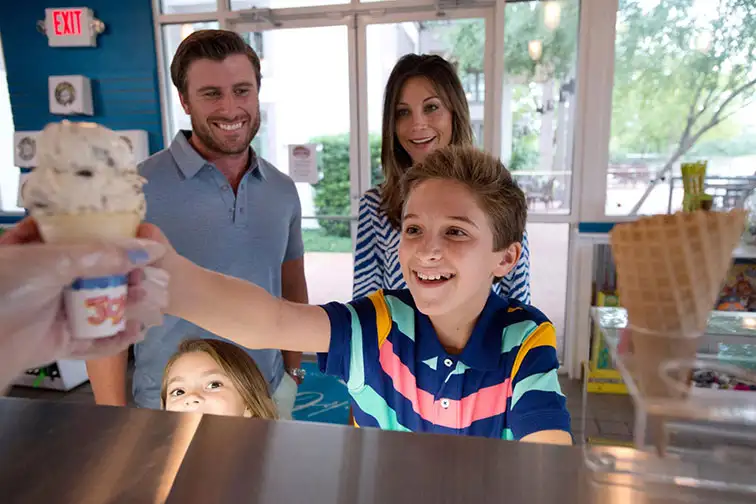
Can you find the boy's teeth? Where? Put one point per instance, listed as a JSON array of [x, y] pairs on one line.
[[431, 277]]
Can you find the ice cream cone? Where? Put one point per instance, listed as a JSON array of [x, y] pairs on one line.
[[77, 228], [669, 272], [86, 187]]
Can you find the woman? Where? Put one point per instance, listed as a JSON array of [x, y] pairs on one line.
[[424, 108]]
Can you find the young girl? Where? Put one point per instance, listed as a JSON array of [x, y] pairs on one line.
[[215, 377]]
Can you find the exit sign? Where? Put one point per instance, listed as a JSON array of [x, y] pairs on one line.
[[70, 27]]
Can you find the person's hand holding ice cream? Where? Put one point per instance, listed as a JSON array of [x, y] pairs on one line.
[[86, 188], [89, 290], [33, 279]]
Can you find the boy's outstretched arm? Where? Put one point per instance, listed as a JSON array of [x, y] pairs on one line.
[[243, 312], [237, 310]]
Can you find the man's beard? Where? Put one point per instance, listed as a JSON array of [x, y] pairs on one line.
[[203, 132]]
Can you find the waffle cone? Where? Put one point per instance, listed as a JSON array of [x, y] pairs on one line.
[[670, 269], [76, 228]]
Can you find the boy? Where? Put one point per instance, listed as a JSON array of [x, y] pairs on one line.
[[445, 355]]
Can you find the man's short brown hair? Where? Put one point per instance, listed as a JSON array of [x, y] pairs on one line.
[[499, 196], [215, 45]]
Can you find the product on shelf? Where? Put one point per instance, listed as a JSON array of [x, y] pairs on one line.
[[670, 269], [86, 187], [694, 175]]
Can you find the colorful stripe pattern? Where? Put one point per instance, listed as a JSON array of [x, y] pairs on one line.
[[503, 384]]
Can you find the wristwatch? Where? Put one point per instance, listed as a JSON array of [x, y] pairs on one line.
[[297, 373]]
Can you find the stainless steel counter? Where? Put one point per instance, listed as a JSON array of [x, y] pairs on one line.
[[65, 453]]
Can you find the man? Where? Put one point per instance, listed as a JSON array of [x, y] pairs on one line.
[[222, 207]]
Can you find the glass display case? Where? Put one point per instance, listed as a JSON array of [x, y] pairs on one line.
[[699, 424]]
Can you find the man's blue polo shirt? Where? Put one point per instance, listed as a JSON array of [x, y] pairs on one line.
[[247, 235]]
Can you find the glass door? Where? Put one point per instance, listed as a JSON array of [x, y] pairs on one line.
[[304, 99], [536, 70]]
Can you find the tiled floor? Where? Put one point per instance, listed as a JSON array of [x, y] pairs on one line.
[[607, 418]]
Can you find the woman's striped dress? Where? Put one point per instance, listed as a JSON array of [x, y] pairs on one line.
[[376, 261]]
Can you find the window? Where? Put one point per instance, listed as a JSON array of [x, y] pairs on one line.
[[281, 4], [684, 90], [187, 6], [538, 100]]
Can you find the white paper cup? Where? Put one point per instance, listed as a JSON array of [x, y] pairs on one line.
[[96, 307]]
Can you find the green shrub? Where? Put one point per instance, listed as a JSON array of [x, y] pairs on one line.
[[332, 191]]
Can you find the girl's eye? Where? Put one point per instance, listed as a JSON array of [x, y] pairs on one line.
[[402, 112], [431, 107], [410, 230], [214, 384], [176, 392], [456, 232]]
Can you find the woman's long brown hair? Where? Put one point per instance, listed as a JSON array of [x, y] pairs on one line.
[[394, 159], [238, 366]]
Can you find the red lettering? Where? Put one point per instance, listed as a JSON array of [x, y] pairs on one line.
[[69, 28], [67, 22], [77, 17], [58, 22], [103, 308]]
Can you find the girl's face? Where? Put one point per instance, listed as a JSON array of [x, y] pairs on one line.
[[197, 384], [423, 123]]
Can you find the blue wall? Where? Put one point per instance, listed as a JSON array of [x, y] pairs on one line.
[[123, 66]]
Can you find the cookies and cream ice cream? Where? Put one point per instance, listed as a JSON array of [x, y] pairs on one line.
[[83, 168], [86, 188]]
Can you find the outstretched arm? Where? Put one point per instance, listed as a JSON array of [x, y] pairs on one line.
[[243, 312]]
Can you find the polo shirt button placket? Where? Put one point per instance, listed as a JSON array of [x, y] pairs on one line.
[[448, 362]]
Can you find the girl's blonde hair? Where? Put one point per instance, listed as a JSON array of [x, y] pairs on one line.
[[238, 366]]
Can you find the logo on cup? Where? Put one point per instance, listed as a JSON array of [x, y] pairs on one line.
[[104, 308]]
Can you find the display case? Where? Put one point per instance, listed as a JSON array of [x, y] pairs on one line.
[[698, 426], [586, 357]]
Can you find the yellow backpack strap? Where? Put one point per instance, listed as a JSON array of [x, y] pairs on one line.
[[382, 316]]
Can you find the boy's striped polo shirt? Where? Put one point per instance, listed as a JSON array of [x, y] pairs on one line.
[[502, 385]]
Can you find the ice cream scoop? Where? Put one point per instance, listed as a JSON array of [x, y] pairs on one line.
[[86, 187], [83, 168]]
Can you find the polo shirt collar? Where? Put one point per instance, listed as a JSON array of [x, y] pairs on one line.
[[190, 162], [483, 349]]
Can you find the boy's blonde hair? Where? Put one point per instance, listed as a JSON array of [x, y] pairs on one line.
[[238, 366], [498, 195]]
